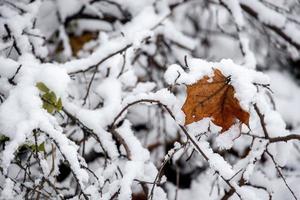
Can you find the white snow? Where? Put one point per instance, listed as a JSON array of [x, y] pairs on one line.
[[122, 98]]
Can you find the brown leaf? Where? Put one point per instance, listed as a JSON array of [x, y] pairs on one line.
[[213, 99], [139, 196], [77, 42]]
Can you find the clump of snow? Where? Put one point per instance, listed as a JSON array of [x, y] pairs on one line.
[[245, 192], [235, 8], [159, 194], [216, 161], [286, 100], [143, 87], [226, 139], [98, 119], [257, 149], [8, 192], [132, 170], [265, 14], [138, 153], [68, 7], [164, 96]]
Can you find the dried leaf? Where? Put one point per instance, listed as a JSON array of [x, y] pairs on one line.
[[77, 42], [214, 99]]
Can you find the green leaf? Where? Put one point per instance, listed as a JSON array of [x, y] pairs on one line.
[[3, 138], [49, 107], [42, 87], [50, 102], [49, 97], [52, 97], [34, 148], [41, 147], [46, 97], [59, 104]]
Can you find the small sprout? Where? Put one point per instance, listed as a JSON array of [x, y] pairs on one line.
[[50, 102], [42, 87], [52, 97], [32, 147], [49, 107], [41, 147], [59, 104]]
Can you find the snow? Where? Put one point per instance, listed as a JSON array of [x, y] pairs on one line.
[[19, 115], [68, 7], [235, 8], [128, 78], [170, 31], [96, 120], [23, 101], [131, 31], [143, 87], [292, 31], [17, 23], [274, 123], [132, 170], [216, 161], [199, 188], [246, 193], [44, 165], [69, 151], [227, 139], [250, 60], [159, 194], [287, 101], [265, 14], [7, 192], [136, 6], [122, 98], [22, 112], [272, 18], [248, 163], [138, 153], [93, 25], [66, 42]]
